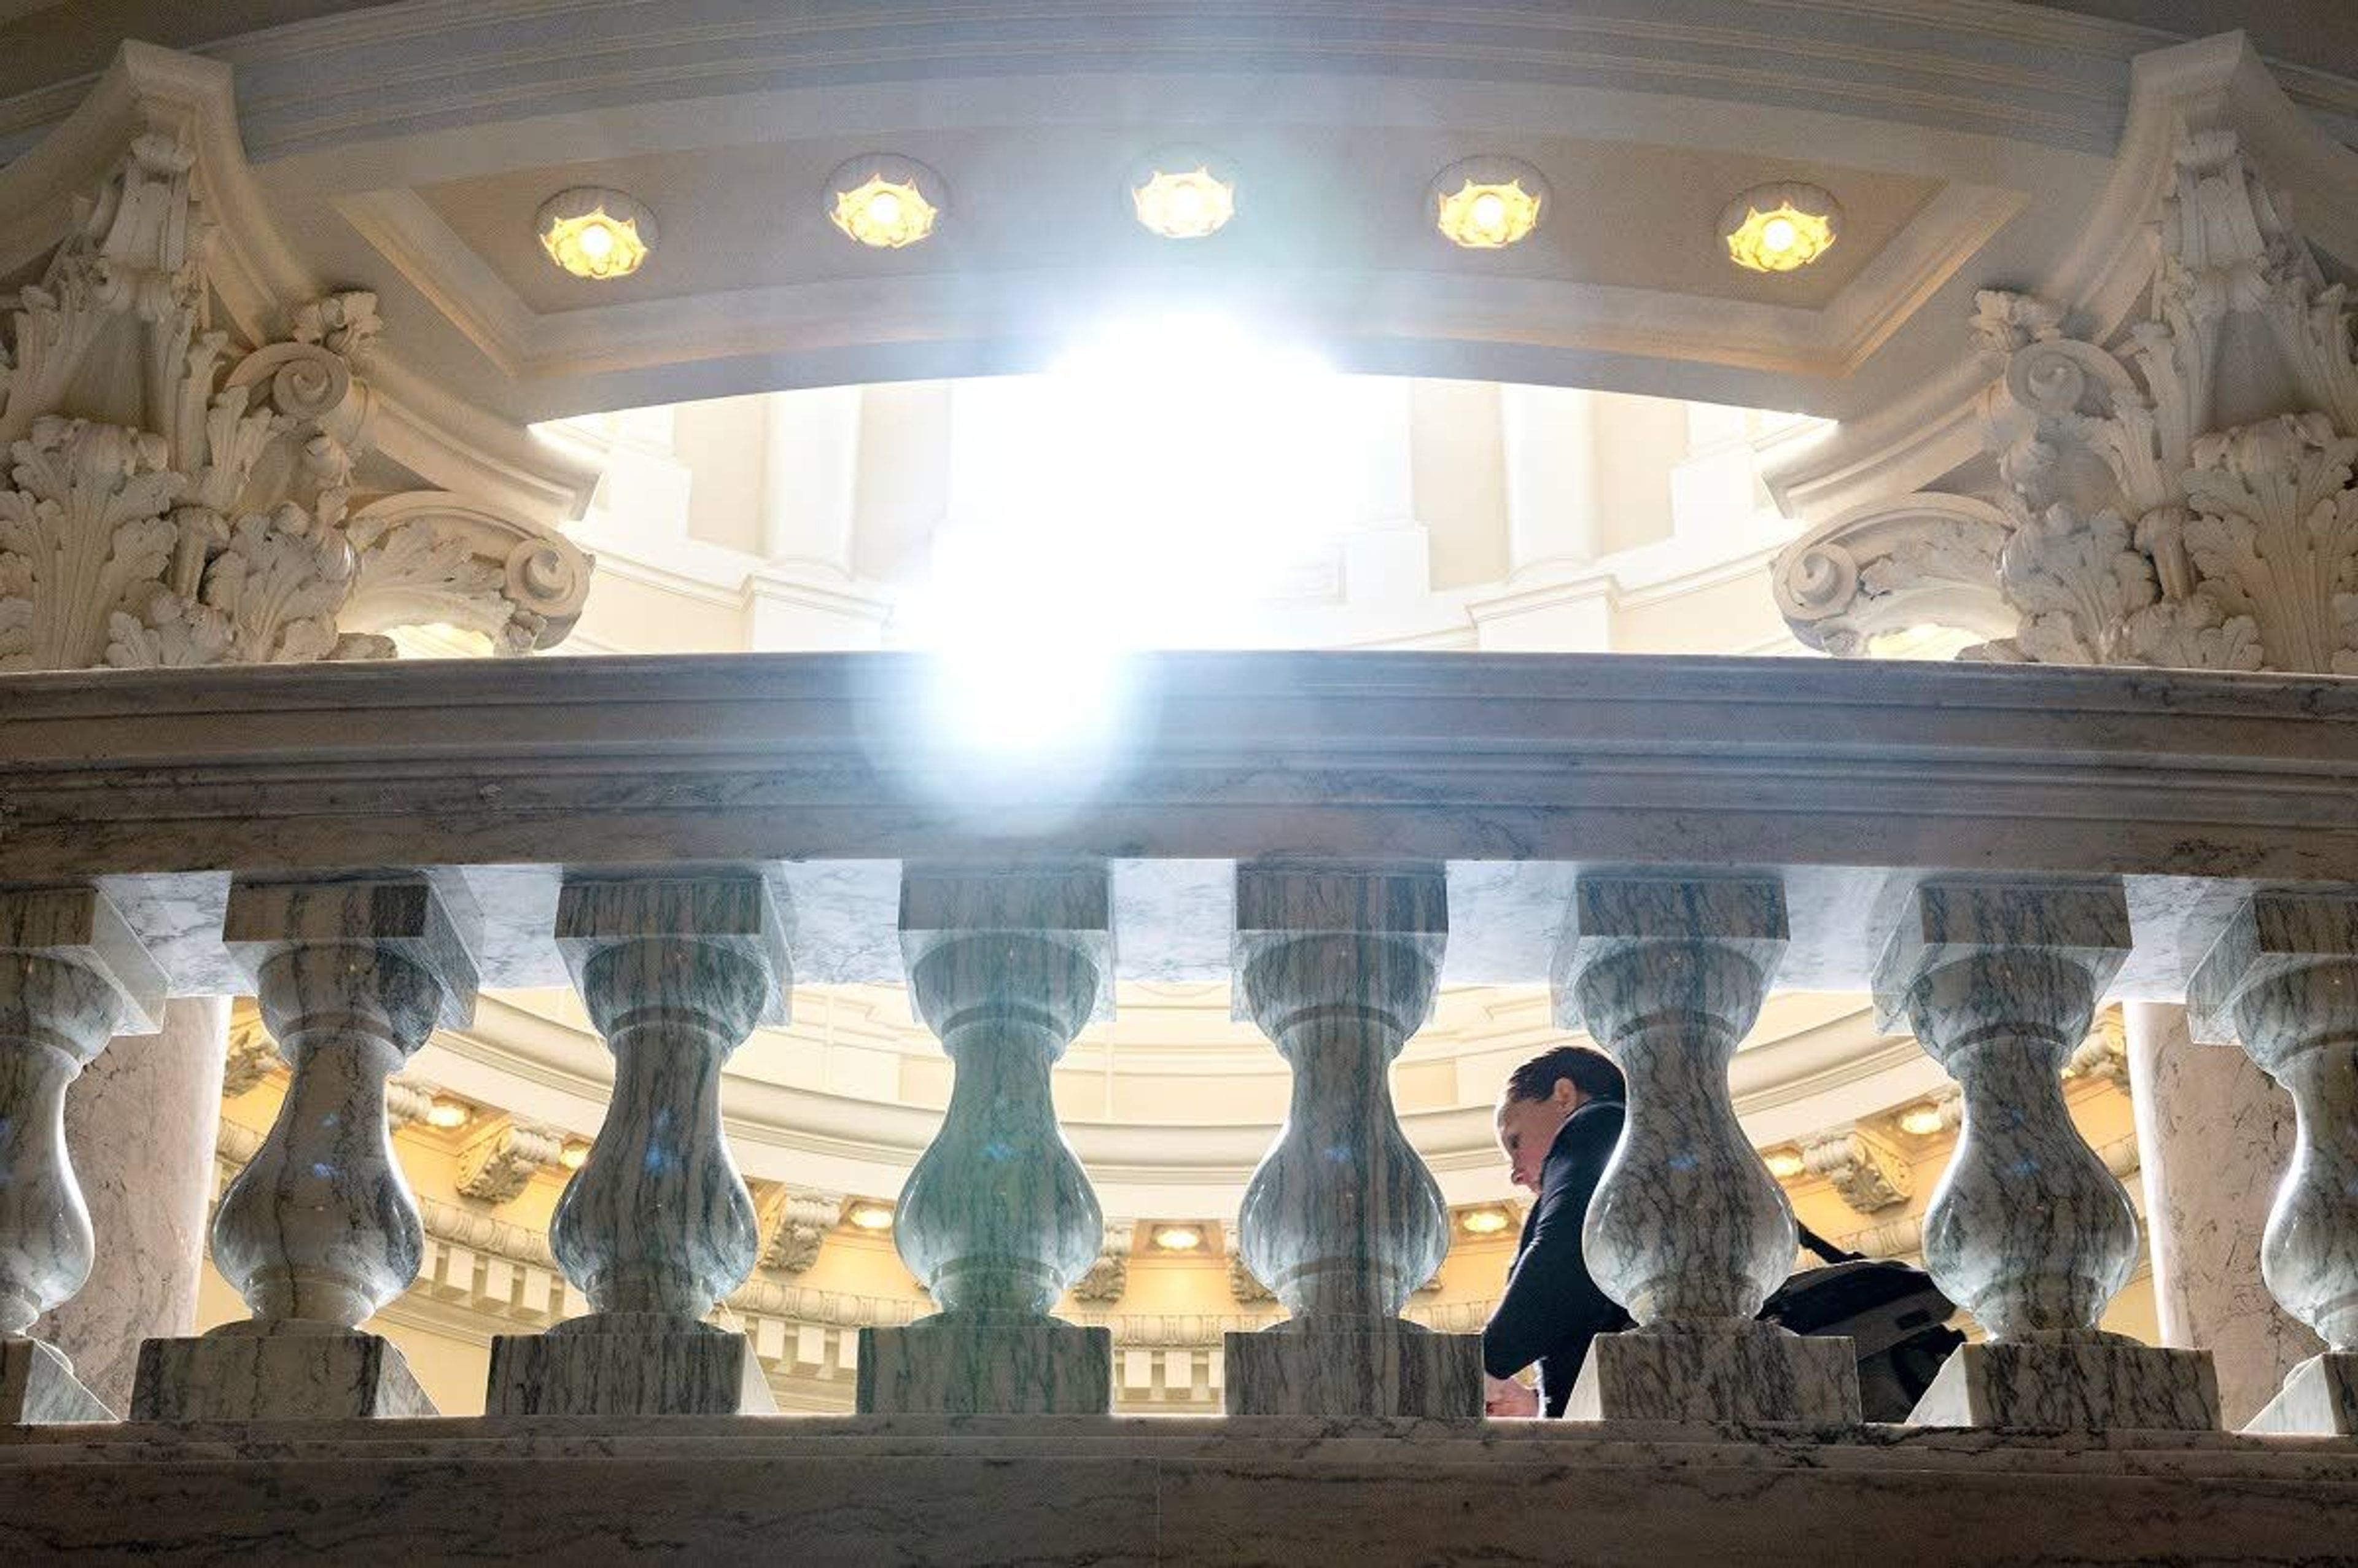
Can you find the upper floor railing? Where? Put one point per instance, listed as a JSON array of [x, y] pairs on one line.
[[1992, 851]]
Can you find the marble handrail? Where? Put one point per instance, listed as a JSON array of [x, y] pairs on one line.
[[1337, 836], [1515, 772]]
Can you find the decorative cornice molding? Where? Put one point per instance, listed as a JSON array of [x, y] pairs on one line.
[[2018, 71]]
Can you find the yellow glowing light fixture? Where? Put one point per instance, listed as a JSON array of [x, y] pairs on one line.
[[1922, 1120], [1779, 228], [1183, 193], [870, 1217], [884, 202], [595, 233], [1784, 1163], [1486, 203], [1484, 1221], [574, 1155], [448, 1114], [1178, 1237]]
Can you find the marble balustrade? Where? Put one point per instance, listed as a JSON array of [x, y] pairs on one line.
[[1662, 841]]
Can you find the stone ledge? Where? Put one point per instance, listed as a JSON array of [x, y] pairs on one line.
[[1140, 1490]]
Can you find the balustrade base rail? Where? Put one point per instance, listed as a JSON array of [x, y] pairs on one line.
[[1117, 1490]]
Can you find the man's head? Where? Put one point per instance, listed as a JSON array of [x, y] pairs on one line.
[[1541, 1095]]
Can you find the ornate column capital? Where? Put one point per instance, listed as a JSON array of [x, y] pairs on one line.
[[180, 484], [2168, 440]]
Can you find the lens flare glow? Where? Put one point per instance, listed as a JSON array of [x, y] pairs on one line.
[[1187, 452]]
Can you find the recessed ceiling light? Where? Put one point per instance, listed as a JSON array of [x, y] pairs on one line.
[[574, 1155], [1779, 228], [1785, 1162], [595, 233], [1178, 1237], [1486, 203], [1488, 1221], [448, 1113], [885, 201], [1922, 1120], [1183, 193], [870, 1217]]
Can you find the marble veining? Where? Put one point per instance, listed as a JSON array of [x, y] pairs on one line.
[[2283, 981], [2029, 1231], [320, 1227], [1719, 1371], [1342, 1220], [1687, 1225], [1116, 1490], [657, 1225], [998, 1219], [626, 1364], [288, 1372], [2072, 1387], [675, 975], [71, 975]]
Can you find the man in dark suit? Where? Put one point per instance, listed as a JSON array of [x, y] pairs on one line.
[[1558, 1122]]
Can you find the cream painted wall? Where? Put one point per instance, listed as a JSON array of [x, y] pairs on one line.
[[1449, 514]]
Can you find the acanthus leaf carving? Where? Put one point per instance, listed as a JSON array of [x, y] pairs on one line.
[[793, 1223], [2179, 495], [178, 497]]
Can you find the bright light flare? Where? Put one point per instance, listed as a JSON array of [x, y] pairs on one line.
[[1185, 457]]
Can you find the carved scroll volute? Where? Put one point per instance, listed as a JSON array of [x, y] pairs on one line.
[[428, 558], [1921, 559]]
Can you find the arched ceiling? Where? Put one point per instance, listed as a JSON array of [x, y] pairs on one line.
[[404, 149]]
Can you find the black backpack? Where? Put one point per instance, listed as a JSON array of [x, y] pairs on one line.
[[1895, 1313]]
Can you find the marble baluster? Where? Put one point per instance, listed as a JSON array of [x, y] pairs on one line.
[[657, 1225], [320, 1229], [1688, 1230], [140, 1124], [998, 1219], [1342, 1220], [71, 974], [2029, 1231], [2282, 980], [2214, 1139]]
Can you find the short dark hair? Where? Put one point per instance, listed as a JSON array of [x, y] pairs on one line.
[[1592, 1072]]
